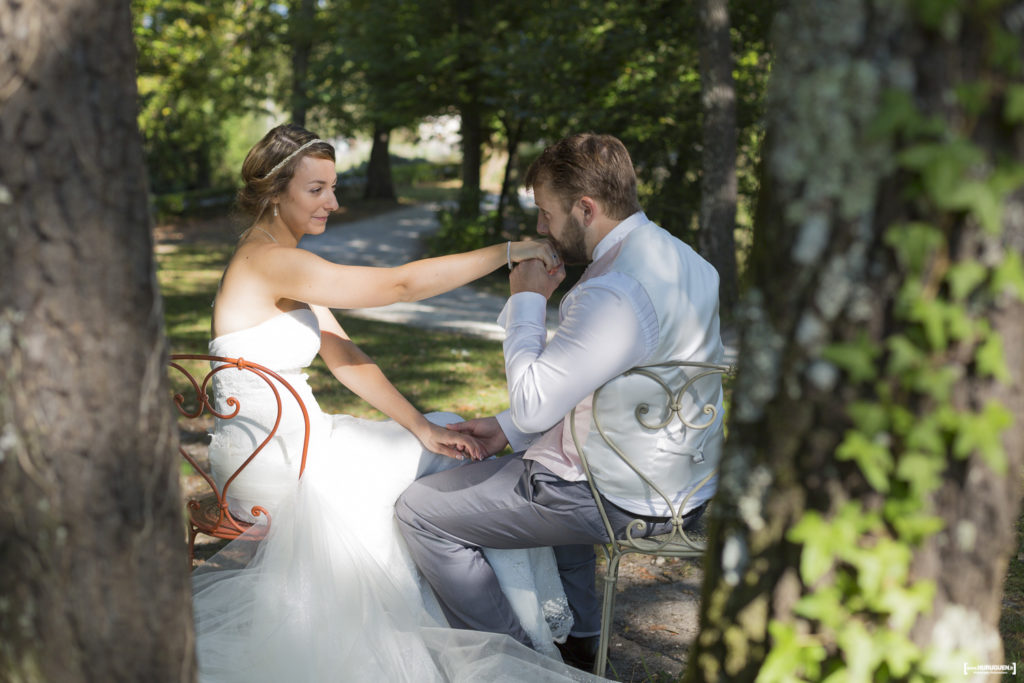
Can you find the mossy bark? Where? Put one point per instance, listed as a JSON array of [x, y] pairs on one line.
[[822, 274]]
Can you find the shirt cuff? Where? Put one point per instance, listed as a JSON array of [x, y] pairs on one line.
[[524, 307], [519, 441]]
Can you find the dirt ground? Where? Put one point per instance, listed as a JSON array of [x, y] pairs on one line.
[[656, 617]]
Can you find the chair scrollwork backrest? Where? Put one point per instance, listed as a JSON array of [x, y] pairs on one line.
[[670, 444], [209, 513]]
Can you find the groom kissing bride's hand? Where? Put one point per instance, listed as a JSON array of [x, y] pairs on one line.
[[646, 297]]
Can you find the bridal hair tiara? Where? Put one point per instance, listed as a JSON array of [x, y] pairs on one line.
[[291, 156]]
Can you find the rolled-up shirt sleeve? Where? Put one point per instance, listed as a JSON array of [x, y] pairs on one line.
[[608, 326]]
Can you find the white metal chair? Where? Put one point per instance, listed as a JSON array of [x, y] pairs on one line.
[[682, 386]]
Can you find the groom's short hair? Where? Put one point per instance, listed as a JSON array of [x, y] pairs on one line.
[[588, 164]]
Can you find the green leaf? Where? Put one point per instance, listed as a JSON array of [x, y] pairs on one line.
[[990, 358], [981, 198], [824, 605], [982, 433], [904, 356], [1013, 112], [914, 243], [940, 15], [816, 536], [856, 358], [870, 418], [1009, 276], [906, 604], [974, 96], [900, 653], [871, 455], [958, 323], [914, 526], [921, 471], [937, 382], [859, 652], [899, 114], [882, 567], [931, 314], [943, 167], [792, 657], [964, 278]]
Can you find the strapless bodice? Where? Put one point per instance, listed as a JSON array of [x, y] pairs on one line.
[[287, 342]]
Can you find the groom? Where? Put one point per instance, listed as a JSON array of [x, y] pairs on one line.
[[645, 297]]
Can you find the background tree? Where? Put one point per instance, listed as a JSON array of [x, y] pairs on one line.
[[389, 46], [93, 575], [302, 27], [874, 464], [718, 191], [199, 66]]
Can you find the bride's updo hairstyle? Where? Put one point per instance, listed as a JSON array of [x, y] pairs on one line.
[[270, 165]]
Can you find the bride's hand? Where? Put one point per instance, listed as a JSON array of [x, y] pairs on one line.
[[535, 249], [487, 429], [450, 443]]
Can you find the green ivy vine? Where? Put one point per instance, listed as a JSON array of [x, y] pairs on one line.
[[854, 622]]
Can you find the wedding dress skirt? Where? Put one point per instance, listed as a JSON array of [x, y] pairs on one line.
[[331, 594]]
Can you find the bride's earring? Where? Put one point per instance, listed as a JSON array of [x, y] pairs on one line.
[[275, 210]]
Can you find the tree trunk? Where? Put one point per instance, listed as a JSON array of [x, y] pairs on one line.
[[472, 158], [718, 178], [867, 498], [513, 133], [93, 562], [378, 170], [301, 39], [470, 109]]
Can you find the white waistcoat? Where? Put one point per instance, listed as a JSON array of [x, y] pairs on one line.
[[683, 288]]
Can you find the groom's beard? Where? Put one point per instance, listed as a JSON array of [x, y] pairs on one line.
[[572, 248]]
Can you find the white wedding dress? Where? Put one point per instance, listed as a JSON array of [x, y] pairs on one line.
[[331, 594]]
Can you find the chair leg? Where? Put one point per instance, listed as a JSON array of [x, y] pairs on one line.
[[611, 577], [192, 533]]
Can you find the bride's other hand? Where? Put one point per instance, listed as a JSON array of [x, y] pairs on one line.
[[452, 444], [535, 249], [486, 429]]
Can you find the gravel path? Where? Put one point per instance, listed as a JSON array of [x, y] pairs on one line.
[[395, 238]]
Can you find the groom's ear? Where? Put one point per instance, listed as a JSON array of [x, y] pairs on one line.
[[589, 207]]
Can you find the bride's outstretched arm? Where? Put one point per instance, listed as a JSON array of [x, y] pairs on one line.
[[357, 371], [303, 276]]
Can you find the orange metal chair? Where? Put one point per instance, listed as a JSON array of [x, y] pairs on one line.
[[208, 513]]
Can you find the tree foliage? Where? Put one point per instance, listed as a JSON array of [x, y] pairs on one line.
[[520, 74], [199, 64]]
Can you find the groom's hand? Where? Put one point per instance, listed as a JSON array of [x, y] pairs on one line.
[[532, 276], [454, 445], [486, 430]]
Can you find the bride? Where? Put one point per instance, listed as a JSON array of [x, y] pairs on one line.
[[331, 594]]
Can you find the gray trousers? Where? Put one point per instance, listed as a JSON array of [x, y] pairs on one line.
[[505, 502]]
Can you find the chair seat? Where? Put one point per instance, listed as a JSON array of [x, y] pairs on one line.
[[667, 546], [205, 516]]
